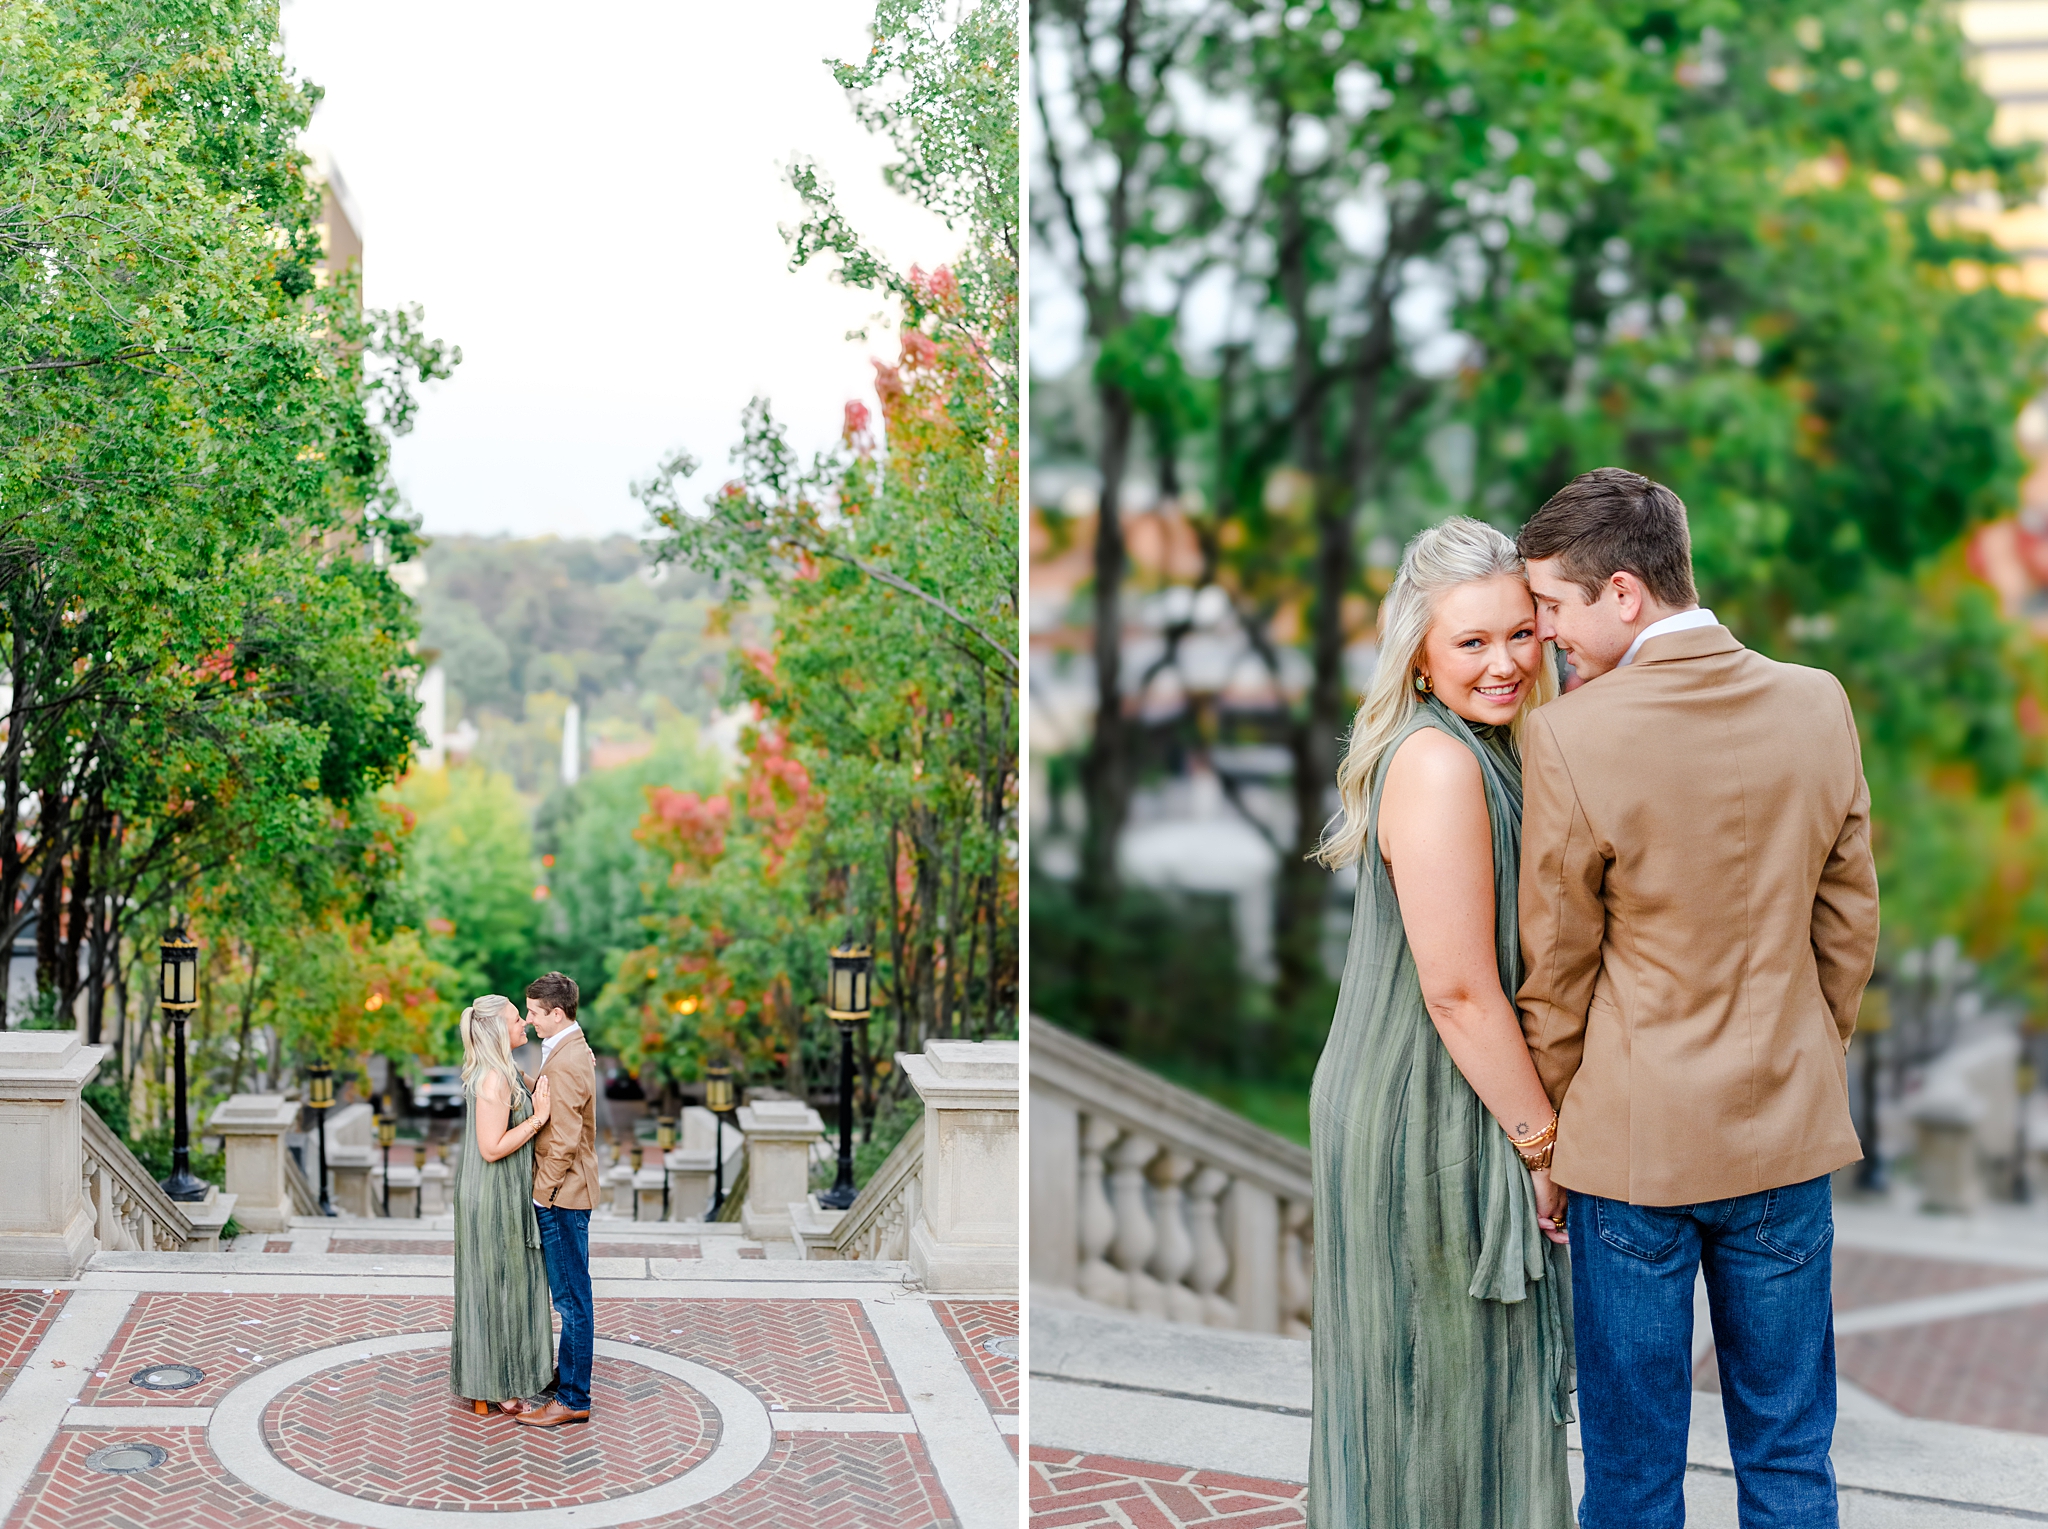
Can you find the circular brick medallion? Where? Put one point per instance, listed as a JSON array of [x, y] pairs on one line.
[[237, 1433], [386, 1429]]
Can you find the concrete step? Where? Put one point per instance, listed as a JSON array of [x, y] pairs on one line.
[[1204, 1399]]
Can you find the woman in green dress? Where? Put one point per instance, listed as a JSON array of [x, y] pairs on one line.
[[503, 1346], [1442, 1333]]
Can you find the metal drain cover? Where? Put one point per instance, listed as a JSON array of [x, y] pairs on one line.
[[126, 1459], [1005, 1348], [167, 1377]]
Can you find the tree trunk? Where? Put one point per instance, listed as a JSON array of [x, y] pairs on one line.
[[1106, 768]]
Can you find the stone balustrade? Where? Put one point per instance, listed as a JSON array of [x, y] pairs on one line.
[[131, 1212], [1150, 1198], [877, 1225]]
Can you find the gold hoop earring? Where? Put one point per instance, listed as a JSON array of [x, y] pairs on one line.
[[1422, 683]]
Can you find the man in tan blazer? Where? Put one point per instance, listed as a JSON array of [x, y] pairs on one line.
[[1699, 918], [565, 1189]]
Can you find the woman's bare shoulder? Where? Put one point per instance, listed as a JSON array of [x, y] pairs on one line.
[[492, 1089], [1430, 763]]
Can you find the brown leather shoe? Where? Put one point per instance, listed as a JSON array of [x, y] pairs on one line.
[[553, 1415]]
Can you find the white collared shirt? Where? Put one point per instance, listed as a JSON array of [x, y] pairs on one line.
[[1684, 621], [547, 1049]]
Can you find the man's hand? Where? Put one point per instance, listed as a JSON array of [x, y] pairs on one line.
[[1550, 1207]]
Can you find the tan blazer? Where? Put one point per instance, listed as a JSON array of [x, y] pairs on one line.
[[565, 1149], [1699, 918]]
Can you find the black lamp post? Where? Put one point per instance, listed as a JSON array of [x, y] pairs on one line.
[[320, 1099], [718, 1100], [387, 1130], [665, 1141], [848, 1004], [1871, 1024], [179, 993]]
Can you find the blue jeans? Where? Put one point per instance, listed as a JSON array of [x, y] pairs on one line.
[[565, 1247], [1767, 1261]]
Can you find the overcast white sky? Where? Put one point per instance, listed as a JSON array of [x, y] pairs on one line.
[[586, 200]]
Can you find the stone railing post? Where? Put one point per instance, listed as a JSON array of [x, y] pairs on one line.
[[349, 1157], [254, 1127], [966, 1239], [1945, 1124], [436, 1179], [779, 1135], [46, 1224], [690, 1163]]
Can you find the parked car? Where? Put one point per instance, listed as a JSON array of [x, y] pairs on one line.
[[440, 1092]]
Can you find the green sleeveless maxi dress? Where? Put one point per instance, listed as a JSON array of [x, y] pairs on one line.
[[503, 1343], [1442, 1335]]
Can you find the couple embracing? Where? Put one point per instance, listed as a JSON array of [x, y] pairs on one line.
[[525, 1183], [1606, 959]]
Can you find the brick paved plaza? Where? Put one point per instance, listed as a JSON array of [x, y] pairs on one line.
[[1941, 1321], [733, 1386]]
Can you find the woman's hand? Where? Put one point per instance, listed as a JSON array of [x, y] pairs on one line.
[[1550, 1207], [540, 1102]]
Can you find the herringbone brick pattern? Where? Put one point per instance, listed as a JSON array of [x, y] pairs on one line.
[[188, 1491], [230, 1336], [389, 1247], [970, 1324], [832, 1481], [387, 1429], [1878, 1279], [818, 1481], [1990, 1370], [808, 1356], [278, 1245], [1079, 1491], [25, 1315]]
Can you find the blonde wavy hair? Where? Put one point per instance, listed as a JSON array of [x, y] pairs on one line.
[[484, 1047], [1460, 551]]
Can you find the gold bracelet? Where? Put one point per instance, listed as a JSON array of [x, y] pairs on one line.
[[1536, 1150]]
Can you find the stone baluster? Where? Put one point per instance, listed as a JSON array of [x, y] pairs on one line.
[[1174, 1256], [1098, 1281], [1295, 1294], [1135, 1234], [1211, 1264], [1252, 1230]]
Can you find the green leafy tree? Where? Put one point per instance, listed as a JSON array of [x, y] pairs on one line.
[[472, 879], [1466, 251], [880, 796]]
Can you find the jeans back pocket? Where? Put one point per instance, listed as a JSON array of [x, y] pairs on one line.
[[1644, 1231], [1798, 1219]]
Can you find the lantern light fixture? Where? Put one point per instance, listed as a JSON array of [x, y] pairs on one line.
[[849, 998], [178, 980]]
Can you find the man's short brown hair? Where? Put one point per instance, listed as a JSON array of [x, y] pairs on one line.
[[554, 991], [1611, 519]]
